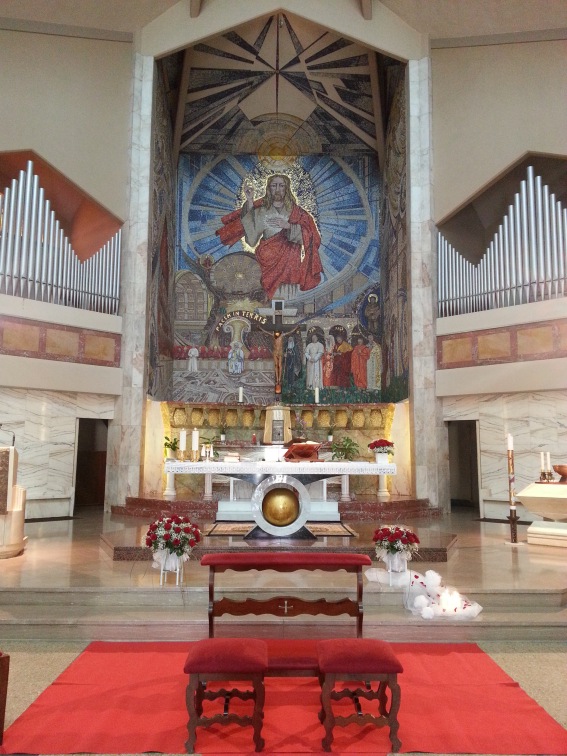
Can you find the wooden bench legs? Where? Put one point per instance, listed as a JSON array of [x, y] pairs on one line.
[[351, 661], [225, 659], [197, 693]]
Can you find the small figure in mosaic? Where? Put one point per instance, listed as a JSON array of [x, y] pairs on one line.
[[192, 360], [235, 358], [314, 352], [374, 364], [358, 361]]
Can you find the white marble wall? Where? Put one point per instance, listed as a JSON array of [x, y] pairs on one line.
[[537, 422], [45, 424], [430, 451], [125, 437]]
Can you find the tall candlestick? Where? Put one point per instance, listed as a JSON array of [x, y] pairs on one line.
[[513, 516], [182, 440], [316, 394], [240, 394], [194, 440]]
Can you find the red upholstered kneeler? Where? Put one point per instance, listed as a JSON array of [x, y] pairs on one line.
[[359, 659], [225, 659]]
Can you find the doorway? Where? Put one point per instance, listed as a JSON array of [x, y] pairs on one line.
[[91, 463], [463, 466]]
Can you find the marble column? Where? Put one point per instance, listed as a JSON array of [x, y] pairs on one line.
[[430, 445], [126, 432]]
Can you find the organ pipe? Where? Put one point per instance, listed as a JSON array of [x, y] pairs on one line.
[[37, 261], [525, 260]]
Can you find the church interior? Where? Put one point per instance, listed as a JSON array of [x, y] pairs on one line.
[[290, 272]]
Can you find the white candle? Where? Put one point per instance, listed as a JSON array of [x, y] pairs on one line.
[[316, 394], [194, 440], [182, 440], [203, 452], [549, 462], [211, 453], [510, 442], [240, 394], [541, 463]]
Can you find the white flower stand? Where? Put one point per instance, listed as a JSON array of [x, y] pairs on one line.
[[166, 562]]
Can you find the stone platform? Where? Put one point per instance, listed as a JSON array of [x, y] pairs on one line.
[[359, 509], [128, 544]]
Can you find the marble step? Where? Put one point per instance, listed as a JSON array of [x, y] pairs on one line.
[[156, 624]]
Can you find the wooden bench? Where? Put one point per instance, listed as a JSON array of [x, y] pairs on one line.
[[345, 662], [285, 606]]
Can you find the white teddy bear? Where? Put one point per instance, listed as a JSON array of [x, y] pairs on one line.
[[428, 597]]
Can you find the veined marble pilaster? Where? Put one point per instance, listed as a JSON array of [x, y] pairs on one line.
[[127, 431], [537, 422], [430, 453]]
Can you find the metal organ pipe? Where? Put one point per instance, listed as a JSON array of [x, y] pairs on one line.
[[525, 260], [37, 260]]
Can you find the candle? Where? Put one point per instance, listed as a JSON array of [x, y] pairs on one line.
[[240, 394], [211, 452], [194, 440], [541, 462], [316, 394], [182, 440], [548, 462], [203, 451], [510, 442]]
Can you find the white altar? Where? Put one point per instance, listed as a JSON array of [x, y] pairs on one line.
[[12, 505], [312, 475], [548, 500]]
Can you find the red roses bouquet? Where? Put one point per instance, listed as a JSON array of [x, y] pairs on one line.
[[394, 539], [382, 445], [176, 535]]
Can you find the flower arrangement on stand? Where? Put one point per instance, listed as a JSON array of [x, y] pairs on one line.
[[381, 448], [172, 539], [396, 546]]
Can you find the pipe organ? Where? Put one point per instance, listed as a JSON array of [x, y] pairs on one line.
[[37, 260], [524, 262]]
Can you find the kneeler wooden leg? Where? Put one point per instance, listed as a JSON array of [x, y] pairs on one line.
[[194, 711]]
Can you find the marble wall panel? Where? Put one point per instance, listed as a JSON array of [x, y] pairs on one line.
[[45, 426], [494, 346], [21, 337], [99, 348], [534, 341], [537, 422], [63, 343]]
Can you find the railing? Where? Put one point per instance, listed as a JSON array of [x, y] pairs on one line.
[[525, 261], [37, 260]]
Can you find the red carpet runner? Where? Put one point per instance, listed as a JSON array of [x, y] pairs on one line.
[[130, 698]]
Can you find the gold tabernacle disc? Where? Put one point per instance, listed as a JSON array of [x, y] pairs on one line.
[[280, 506]]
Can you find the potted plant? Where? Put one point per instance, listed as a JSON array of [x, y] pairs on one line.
[[346, 449], [396, 546], [330, 433], [172, 539], [171, 445], [222, 431], [382, 448]]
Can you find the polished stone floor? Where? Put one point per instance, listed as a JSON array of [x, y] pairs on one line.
[[66, 590], [67, 553]]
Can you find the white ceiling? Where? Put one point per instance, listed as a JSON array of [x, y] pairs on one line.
[[446, 22]]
